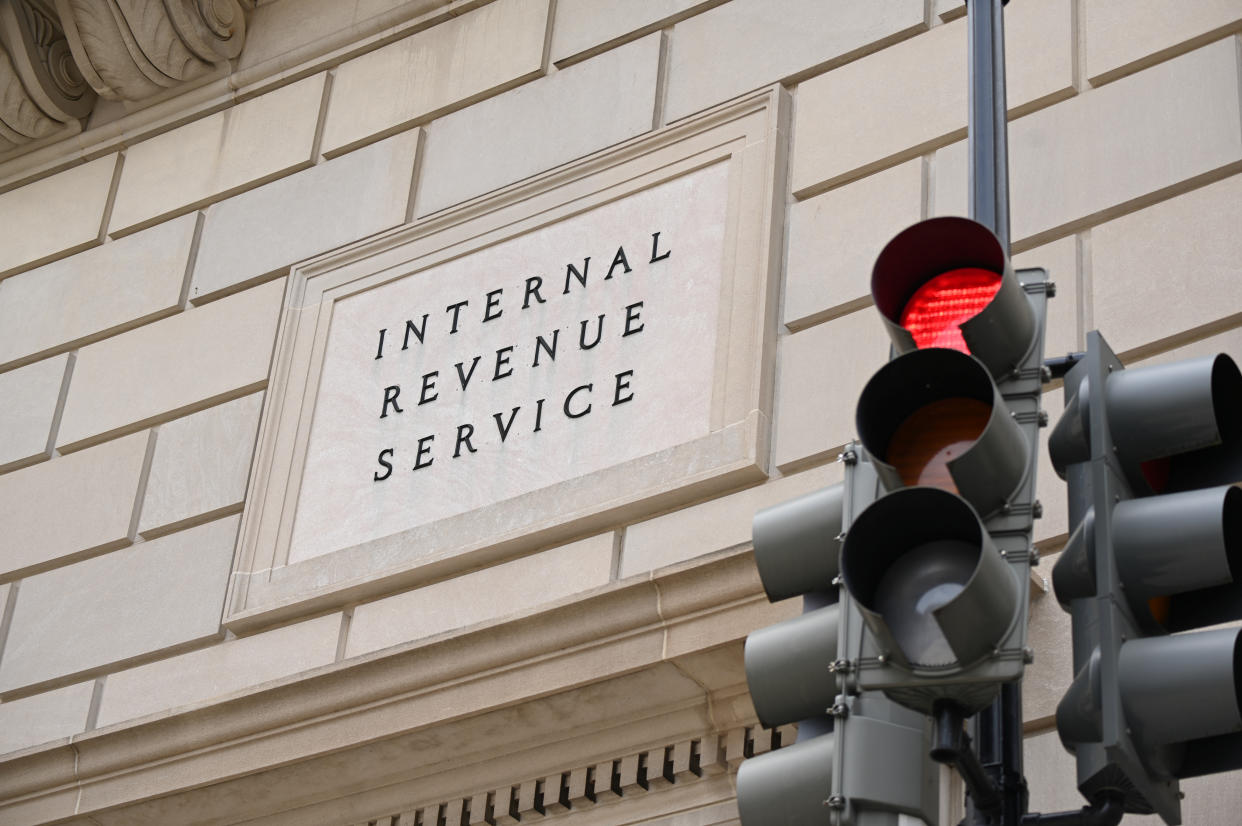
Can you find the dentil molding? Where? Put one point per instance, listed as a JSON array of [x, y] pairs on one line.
[[58, 56]]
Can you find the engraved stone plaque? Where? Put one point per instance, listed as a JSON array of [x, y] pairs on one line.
[[562, 357], [550, 356]]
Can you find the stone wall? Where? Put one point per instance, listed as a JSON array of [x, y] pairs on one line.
[[145, 261]]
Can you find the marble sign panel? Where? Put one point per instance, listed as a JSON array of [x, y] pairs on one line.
[[568, 354], [550, 356]]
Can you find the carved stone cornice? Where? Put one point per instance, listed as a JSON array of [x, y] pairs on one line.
[[41, 87], [57, 56], [133, 49], [626, 676]]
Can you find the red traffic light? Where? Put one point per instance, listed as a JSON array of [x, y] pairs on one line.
[[947, 282], [936, 311]]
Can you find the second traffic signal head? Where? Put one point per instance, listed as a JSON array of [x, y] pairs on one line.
[[1156, 548]]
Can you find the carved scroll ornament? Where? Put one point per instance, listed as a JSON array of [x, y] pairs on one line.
[[56, 56], [132, 49], [41, 87]]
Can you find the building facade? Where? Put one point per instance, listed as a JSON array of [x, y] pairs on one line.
[[387, 387]]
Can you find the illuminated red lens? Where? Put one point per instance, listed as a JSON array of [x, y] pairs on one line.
[[936, 310]]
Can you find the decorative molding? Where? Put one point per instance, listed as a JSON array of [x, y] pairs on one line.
[[41, 87], [636, 666], [58, 56], [133, 49], [583, 787], [22, 165]]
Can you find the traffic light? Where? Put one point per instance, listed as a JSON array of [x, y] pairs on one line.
[[869, 764], [1155, 548], [939, 566]]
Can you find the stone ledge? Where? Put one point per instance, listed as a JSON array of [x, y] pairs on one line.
[[586, 666]]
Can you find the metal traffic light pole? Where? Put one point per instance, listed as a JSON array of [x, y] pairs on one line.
[[998, 729], [987, 135]]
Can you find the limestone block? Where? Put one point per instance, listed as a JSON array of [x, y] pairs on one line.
[[834, 239], [28, 397], [216, 155], [820, 372], [221, 349], [1125, 35], [715, 525], [1048, 633], [71, 506], [1050, 774], [901, 101], [54, 216], [1229, 342], [304, 214], [1060, 259], [447, 66], [484, 595], [555, 119], [133, 602], [43, 717], [584, 27], [746, 44], [200, 464], [219, 670], [272, 30], [1088, 158], [1168, 268], [948, 9], [1212, 799], [94, 293]]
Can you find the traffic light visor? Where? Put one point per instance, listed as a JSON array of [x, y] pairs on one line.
[[930, 583], [947, 282], [934, 417], [1178, 426], [797, 543], [789, 786], [786, 666]]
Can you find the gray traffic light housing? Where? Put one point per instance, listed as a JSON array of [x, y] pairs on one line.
[[936, 594], [871, 764], [868, 771], [1155, 548], [953, 434]]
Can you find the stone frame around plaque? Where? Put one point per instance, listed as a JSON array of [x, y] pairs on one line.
[[748, 138]]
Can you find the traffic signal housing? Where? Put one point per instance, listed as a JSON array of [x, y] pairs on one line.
[[939, 565], [1155, 548], [869, 764]]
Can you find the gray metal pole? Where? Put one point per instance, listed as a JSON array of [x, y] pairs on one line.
[[998, 729], [987, 136]]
